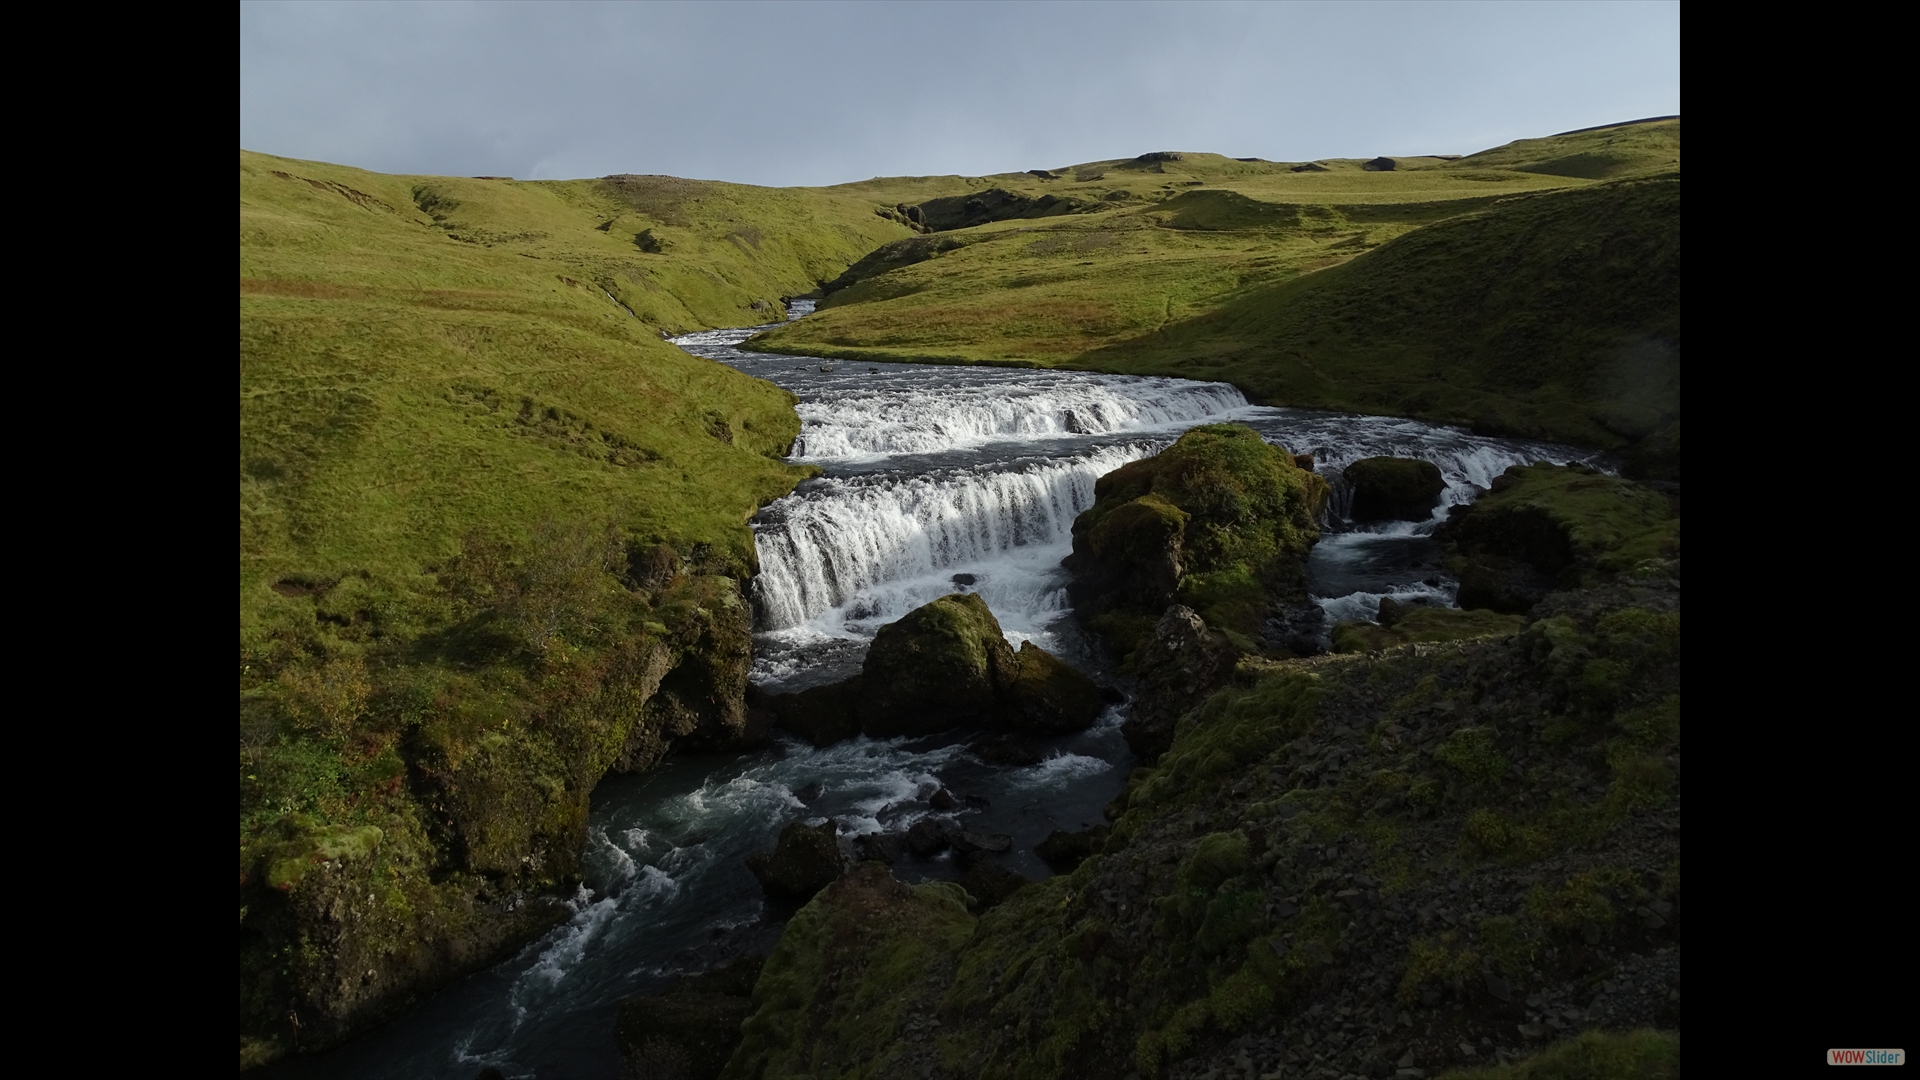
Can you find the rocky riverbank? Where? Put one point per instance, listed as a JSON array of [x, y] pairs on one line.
[[1383, 863], [564, 662]]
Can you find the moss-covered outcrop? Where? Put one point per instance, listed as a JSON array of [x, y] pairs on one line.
[[1394, 489], [1594, 1055], [944, 665], [1545, 527], [688, 1032], [1220, 521], [830, 1000], [1181, 662], [1422, 860], [1421, 625]]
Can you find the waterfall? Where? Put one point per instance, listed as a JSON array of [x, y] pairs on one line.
[[863, 422], [843, 540]]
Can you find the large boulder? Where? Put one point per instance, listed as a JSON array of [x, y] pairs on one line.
[[1045, 694], [1394, 489], [1547, 527], [939, 666], [1220, 521], [947, 664], [806, 860]]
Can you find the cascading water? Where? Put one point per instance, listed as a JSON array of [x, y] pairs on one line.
[[937, 479]]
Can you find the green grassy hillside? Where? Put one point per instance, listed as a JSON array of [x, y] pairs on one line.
[[1529, 288], [1555, 315], [492, 530]]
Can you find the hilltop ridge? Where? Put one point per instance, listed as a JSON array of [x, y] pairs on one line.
[[1205, 266]]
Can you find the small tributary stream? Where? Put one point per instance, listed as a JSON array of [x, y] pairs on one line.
[[935, 480]]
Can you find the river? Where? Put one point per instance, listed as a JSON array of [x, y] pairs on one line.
[[935, 479]]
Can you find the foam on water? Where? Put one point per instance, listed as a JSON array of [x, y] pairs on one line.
[[870, 548], [864, 422]]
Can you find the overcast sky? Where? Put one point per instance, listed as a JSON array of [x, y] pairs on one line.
[[803, 93]]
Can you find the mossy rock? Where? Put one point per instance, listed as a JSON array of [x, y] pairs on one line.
[[833, 998], [1046, 695], [1180, 663], [806, 860], [1220, 521], [948, 664], [937, 667], [1545, 527], [1394, 489]]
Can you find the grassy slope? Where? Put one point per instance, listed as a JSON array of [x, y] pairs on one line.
[[466, 376], [386, 351], [1192, 271]]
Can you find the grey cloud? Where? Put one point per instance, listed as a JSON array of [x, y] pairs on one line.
[[783, 93]]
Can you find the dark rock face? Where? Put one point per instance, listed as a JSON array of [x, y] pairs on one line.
[[688, 1032], [822, 715], [990, 884], [1002, 748], [1380, 164], [1179, 664], [1394, 489], [968, 842], [806, 860], [927, 838], [880, 847], [1064, 850], [1219, 521], [1390, 611]]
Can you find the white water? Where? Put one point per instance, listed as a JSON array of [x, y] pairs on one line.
[[860, 424], [865, 550]]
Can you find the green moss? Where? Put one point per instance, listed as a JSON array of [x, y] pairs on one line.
[[1593, 1055], [492, 530], [1509, 944], [1584, 897], [832, 998], [1230, 600], [1365, 291], [1220, 521], [1653, 725], [1422, 625], [1568, 521], [1444, 963], [1230, 731], [1472, 753]]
